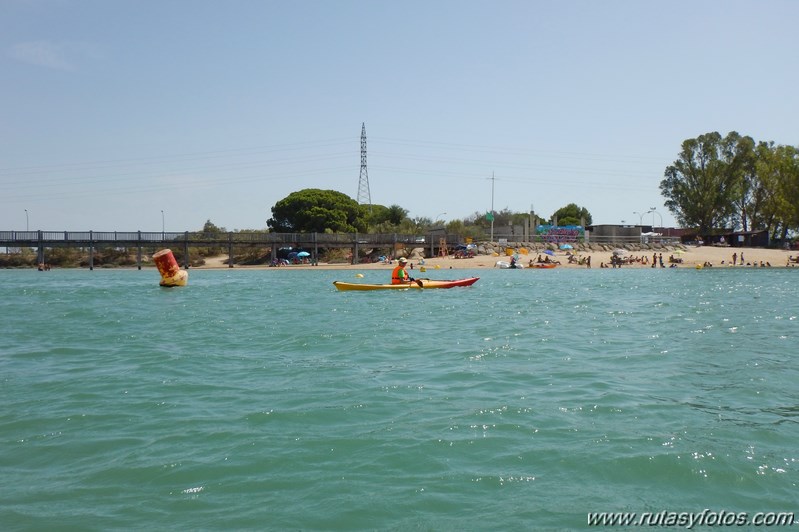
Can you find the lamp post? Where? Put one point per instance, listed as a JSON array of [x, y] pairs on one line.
[[439, 216], [27, 225], [654, 212], [640, 217], [163, 233], [492, 207]]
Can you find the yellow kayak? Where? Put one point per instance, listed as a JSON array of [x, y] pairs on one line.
[[418, 283]]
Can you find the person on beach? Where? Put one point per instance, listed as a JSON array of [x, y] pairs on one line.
[[734, 259], [399, 275]]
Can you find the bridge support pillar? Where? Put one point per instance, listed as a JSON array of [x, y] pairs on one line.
[[91, 250], [138, 252], [186, 260], [230, 250]]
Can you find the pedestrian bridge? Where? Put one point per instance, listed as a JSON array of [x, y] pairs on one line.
[[311, 242]]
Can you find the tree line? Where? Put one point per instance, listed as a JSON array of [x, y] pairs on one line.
[[721, 183], [330, 211]]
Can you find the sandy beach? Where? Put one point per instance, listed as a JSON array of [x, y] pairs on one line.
[[690, 256]]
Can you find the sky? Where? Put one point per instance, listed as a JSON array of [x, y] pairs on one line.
[[146, 115]]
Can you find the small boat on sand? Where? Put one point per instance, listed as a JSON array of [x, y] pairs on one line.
[[504, 265]]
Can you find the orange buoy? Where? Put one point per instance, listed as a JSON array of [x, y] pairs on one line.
[[171, 274]]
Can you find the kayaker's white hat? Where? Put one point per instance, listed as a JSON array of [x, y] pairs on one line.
[[402, 259]]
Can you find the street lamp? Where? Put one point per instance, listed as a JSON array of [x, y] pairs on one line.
[[439, 216], [27, 228], [654, 212], [640, 217], [492, 207], [162, 225]]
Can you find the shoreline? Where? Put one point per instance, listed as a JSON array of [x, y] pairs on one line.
[[690, 255]]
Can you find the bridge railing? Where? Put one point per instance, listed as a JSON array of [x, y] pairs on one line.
[[322, 239], [33, 238], [88, 236]]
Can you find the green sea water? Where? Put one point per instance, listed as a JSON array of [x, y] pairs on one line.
[[268, 400]]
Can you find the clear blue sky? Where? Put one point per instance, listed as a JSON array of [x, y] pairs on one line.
[[114, 111]]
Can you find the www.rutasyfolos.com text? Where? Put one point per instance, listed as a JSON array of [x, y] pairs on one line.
[[690, 520]]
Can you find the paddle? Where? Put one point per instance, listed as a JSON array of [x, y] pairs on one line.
[[418, 282]]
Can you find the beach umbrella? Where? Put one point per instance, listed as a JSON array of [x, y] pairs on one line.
[[549, 252], [303, 254], [619, 252], [566, 246], [679, 252]]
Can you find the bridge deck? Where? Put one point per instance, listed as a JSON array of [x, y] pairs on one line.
[[41, 239]]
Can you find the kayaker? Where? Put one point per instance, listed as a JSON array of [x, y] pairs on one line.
[[399, 275]]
